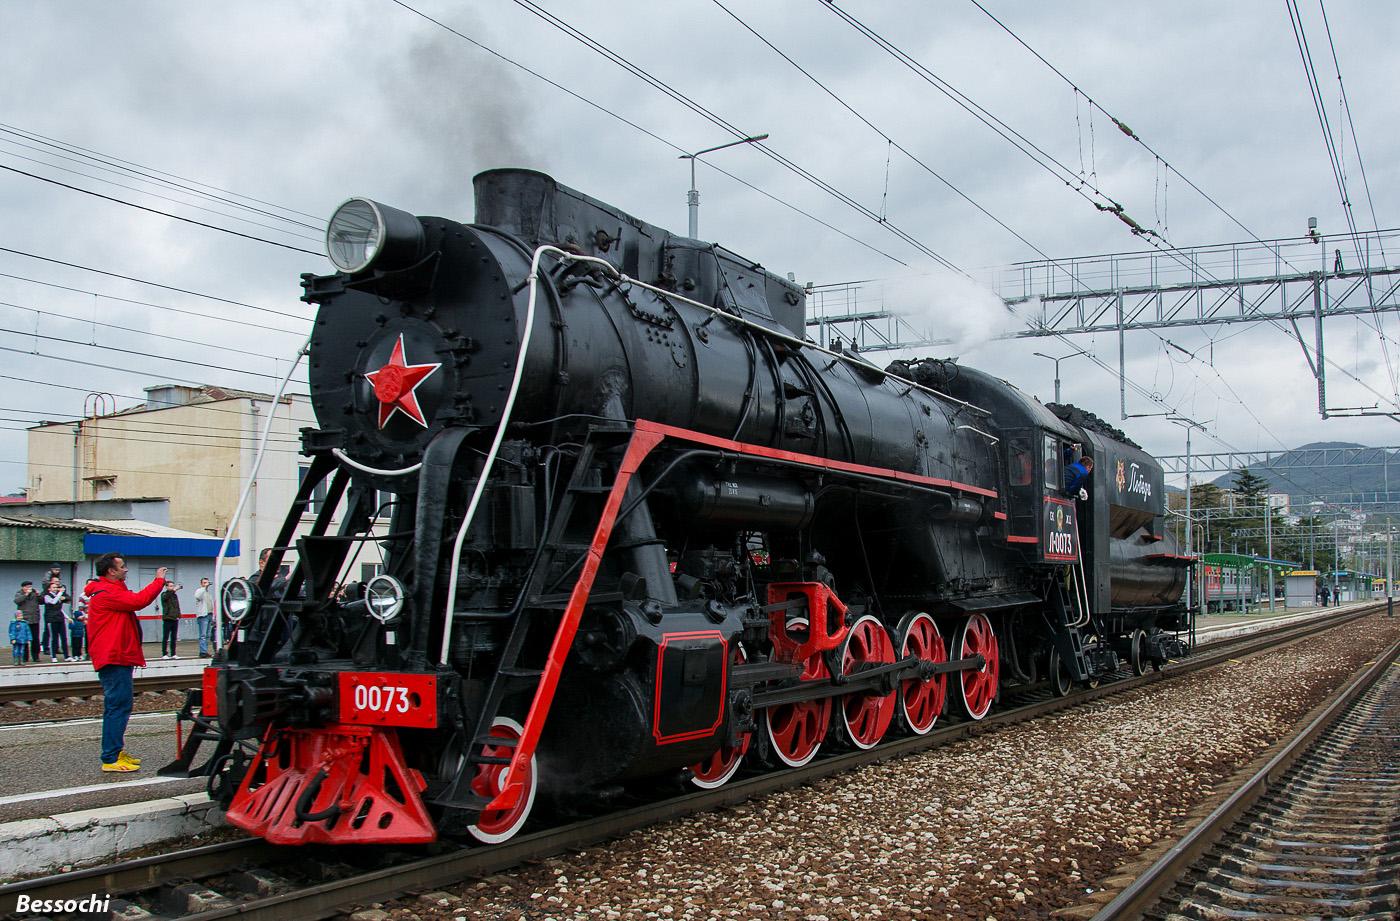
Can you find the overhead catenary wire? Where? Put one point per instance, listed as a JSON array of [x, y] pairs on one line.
[[139, 191], [177, 217], [201, 315], [149, 283], [152, 172], [889, 140], [599, 107], [714, 118]]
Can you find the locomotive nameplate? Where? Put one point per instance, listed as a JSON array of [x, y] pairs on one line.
[[388, 699], [1059, 541]]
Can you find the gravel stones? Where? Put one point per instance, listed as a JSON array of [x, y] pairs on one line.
[[1014, 823]]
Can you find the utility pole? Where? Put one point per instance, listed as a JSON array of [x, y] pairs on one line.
[[1389, 566], [1075, 354], [1179, 420], [1269, 542], [692, 197], [1336, 555]]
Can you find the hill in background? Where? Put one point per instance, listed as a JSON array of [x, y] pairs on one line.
[[1362, 476]]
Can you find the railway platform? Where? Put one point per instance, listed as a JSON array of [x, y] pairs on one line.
[[47, 672]]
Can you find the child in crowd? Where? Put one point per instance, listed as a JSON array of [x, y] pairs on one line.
[[19, 638], [77, 627]]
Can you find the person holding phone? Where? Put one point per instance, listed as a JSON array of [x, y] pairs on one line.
[[114, 642]]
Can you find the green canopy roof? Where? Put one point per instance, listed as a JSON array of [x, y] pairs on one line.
[[1243, 560]]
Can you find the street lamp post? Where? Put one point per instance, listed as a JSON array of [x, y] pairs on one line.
[[692, 197], [1189, 424], [1075, 354]]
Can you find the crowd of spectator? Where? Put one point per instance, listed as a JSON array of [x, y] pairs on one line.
[[48, 621]]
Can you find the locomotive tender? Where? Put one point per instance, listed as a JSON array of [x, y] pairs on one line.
[[635, 526]]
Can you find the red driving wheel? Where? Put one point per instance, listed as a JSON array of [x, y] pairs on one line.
[[866, 717], [977, 687], [921, 700]]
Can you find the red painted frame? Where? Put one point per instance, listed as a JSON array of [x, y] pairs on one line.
[[646, 436]]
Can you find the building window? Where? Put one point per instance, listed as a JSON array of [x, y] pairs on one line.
[[370, 570], [104, 487], [318, 495]]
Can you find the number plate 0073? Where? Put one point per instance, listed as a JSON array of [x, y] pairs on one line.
[[388, 699]]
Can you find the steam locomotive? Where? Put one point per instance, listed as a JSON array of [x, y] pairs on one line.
[[636, 526]]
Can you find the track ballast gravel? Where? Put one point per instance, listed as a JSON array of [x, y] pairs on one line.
[[1015, 823]]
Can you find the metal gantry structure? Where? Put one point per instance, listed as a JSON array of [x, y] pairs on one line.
[[1284, 282], [1291, 459]]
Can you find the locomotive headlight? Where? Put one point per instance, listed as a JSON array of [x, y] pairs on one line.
[[384, 598], [238, 597], [362, 233]]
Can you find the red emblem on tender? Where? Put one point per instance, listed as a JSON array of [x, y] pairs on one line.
[[394, 386]]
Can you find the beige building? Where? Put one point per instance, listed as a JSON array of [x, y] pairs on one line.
[[192, 445]]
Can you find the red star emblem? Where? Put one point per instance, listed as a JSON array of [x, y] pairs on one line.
[[394, 386]]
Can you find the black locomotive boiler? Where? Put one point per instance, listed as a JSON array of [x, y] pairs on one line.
[[634, 526]]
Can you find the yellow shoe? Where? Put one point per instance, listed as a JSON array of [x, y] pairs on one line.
[[121, 766], [129, 758]]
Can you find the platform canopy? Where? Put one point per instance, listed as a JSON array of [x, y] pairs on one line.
[[1245, 560]]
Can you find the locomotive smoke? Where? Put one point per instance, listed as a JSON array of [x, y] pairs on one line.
[[466, 114], [950, 306]]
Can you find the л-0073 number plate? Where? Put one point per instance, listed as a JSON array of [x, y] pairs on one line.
[[388, 699]]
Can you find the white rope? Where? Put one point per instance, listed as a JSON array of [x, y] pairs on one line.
[[247, 489], [349, 461], [495, 447]]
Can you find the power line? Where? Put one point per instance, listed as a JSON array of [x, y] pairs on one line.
[[153, 284], [651, 134], [221, 346], [886, 137], [177, 201], [187, 220], [1046, 161], [141, 354], [708, 114], [211, 406], [166, 307], [153, 173]]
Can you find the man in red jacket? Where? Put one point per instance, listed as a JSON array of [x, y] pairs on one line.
[[114, 642]]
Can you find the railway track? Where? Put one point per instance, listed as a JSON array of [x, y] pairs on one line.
[[29, 693], [250, 879], [1315, 833]]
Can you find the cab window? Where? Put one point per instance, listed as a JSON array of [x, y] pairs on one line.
[[1054, 478], [1020, 462]]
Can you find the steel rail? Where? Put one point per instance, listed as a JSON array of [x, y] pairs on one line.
[[62, 689], [326, 899], [1148, 889]]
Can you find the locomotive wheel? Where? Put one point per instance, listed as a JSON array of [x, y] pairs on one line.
[[497, 825], [865, 718], [1137, 651], [716, 770], [795, 731], [977, 687], [1058, 672], [920, 701]]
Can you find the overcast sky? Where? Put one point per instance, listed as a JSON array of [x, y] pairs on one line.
[[298, 105]]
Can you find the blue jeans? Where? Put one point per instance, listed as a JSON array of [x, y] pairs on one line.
[[116, 709], [202, 622]]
